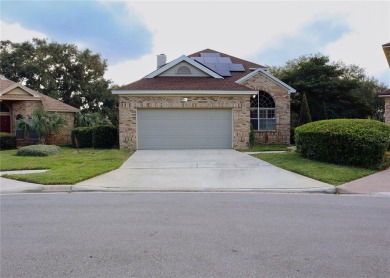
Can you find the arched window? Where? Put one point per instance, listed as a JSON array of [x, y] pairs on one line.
[[263, 112], [183, 70]]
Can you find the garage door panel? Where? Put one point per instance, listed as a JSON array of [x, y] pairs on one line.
[[184, 128]]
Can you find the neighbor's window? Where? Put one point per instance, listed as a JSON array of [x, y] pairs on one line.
[[263, 112]]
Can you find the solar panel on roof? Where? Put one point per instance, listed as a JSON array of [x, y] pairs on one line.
[[210, 66], [210, 55], [223, 72], [210, 60], [236, 67], [225, 60], [198, 59], [222, 66]]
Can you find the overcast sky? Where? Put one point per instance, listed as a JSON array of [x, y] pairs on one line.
[[129, 34]]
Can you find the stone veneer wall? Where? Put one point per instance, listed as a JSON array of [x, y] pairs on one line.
[[64, 136], [25, 108], [128, 110], [387, 110], [281, 135]]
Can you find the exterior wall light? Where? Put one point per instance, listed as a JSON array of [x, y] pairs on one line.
[[184, 99]]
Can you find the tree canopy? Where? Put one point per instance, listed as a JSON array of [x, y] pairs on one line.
[[333, 90], [61, 71]]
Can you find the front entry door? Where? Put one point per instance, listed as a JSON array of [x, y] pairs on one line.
[[5, 124]]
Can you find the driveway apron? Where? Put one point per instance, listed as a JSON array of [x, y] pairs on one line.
[[200, 170]]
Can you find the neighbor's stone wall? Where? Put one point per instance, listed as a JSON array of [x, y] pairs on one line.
[[128, 106], [64, 136], [281, 135], [387, 110], [24, 108]]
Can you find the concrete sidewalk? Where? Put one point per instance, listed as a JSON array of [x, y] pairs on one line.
[[14, 186], [378, 183]]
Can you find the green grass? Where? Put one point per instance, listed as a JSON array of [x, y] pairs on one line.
[[65, 167], [266, 148], [329, 173]]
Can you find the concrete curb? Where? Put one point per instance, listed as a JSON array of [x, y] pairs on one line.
[[327, 190]]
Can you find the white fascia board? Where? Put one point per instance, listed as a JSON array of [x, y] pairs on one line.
[[383, 95], [278, 81], [180, 92], [188, 60]]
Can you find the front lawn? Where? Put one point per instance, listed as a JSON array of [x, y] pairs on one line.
[[65, 167], [266, 148], [329, 173]]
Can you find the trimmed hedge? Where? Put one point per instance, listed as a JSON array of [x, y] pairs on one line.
[[344, 141], [38, 150], [7, 141], [84, 136], [105, 136], [102, 137]]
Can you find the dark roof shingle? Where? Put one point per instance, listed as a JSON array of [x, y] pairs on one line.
[[196, 83]]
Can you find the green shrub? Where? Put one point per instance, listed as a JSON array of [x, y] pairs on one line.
[[105, 136], [100, 137], [84, 137], [7, 141], [38, 150], [292, 135], [344, 141], [251, 137]]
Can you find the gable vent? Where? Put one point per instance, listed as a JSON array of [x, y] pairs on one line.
[[183, 70]]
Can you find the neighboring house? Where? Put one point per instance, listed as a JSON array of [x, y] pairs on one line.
[[204, 100], [386, 94], [17, 101]]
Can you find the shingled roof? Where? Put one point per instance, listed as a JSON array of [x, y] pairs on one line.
[[385, 93], [49, 104], [196, 83]]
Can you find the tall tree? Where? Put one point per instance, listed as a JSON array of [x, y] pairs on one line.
[[342, 90], [304, 116], [61, 71]]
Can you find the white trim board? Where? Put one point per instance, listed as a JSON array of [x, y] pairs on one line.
[[189, 61], [266, 73]]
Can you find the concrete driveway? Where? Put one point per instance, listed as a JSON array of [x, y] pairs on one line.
[[200, 170]]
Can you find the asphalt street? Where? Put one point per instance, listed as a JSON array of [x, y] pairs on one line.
[[194, 235]]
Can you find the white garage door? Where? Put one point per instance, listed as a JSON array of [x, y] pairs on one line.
[[184, 129]]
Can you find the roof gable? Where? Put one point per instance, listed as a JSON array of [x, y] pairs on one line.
[[267, 74], [10, 90], [189, 61], [18, 89]]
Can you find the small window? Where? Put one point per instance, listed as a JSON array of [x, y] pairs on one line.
[[183, 70], [263, 112], [4, 108]]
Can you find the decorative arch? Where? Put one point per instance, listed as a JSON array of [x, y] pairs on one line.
[[263, 111], [183, 70]]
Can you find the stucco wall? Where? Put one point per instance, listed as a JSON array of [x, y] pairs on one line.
[[128, 109], [281, 135]]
